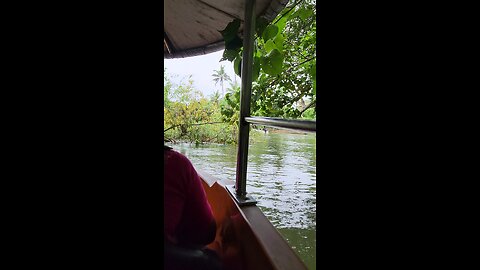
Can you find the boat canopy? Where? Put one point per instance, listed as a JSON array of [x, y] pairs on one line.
[[191, 27]]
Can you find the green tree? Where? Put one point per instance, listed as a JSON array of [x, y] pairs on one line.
[[189, 116], [221, 76], [230, 105], [234, 87], [215, 97]]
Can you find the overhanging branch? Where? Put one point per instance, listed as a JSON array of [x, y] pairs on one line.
[[306, 108]]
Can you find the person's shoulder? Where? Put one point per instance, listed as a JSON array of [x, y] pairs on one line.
[[178, 157]]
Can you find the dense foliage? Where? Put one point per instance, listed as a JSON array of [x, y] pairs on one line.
[[189, 116], [284, 70]]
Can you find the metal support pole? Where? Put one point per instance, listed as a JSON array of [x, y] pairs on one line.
[[294, 124], [245, 94]]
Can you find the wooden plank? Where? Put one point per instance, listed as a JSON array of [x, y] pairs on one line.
[[277, 249], [245, 237], [207, 178]]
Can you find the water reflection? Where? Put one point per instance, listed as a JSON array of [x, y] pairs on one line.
[[281, 176]]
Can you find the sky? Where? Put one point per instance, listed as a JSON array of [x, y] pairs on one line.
[[201, 68]]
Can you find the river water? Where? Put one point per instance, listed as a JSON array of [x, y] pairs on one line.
[[281, 176]]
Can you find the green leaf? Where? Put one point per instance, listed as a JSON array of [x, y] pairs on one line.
[[270, 32], [237, 95], [272, 63], [230, 55], [305, 13], [229, 100], [313, 70], [294, 14], [237, 65], [231, 30], [235, 43], [270, 45], [279, 42], [282, 22], [314, 87], [260, 25]]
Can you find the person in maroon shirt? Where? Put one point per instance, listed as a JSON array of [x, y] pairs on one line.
[[188, 218]]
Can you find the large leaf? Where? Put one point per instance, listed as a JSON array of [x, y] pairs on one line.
[[231, 30], [304, 13], [237, 65], [230, 55], [233, 44], [282, 22], [270, 45], [279, 42], [260, 25], [272, 62], [270, 32]]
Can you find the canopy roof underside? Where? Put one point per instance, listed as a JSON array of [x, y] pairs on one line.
[[191, 27]]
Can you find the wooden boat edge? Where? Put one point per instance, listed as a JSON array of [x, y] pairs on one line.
[[273, 245]]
